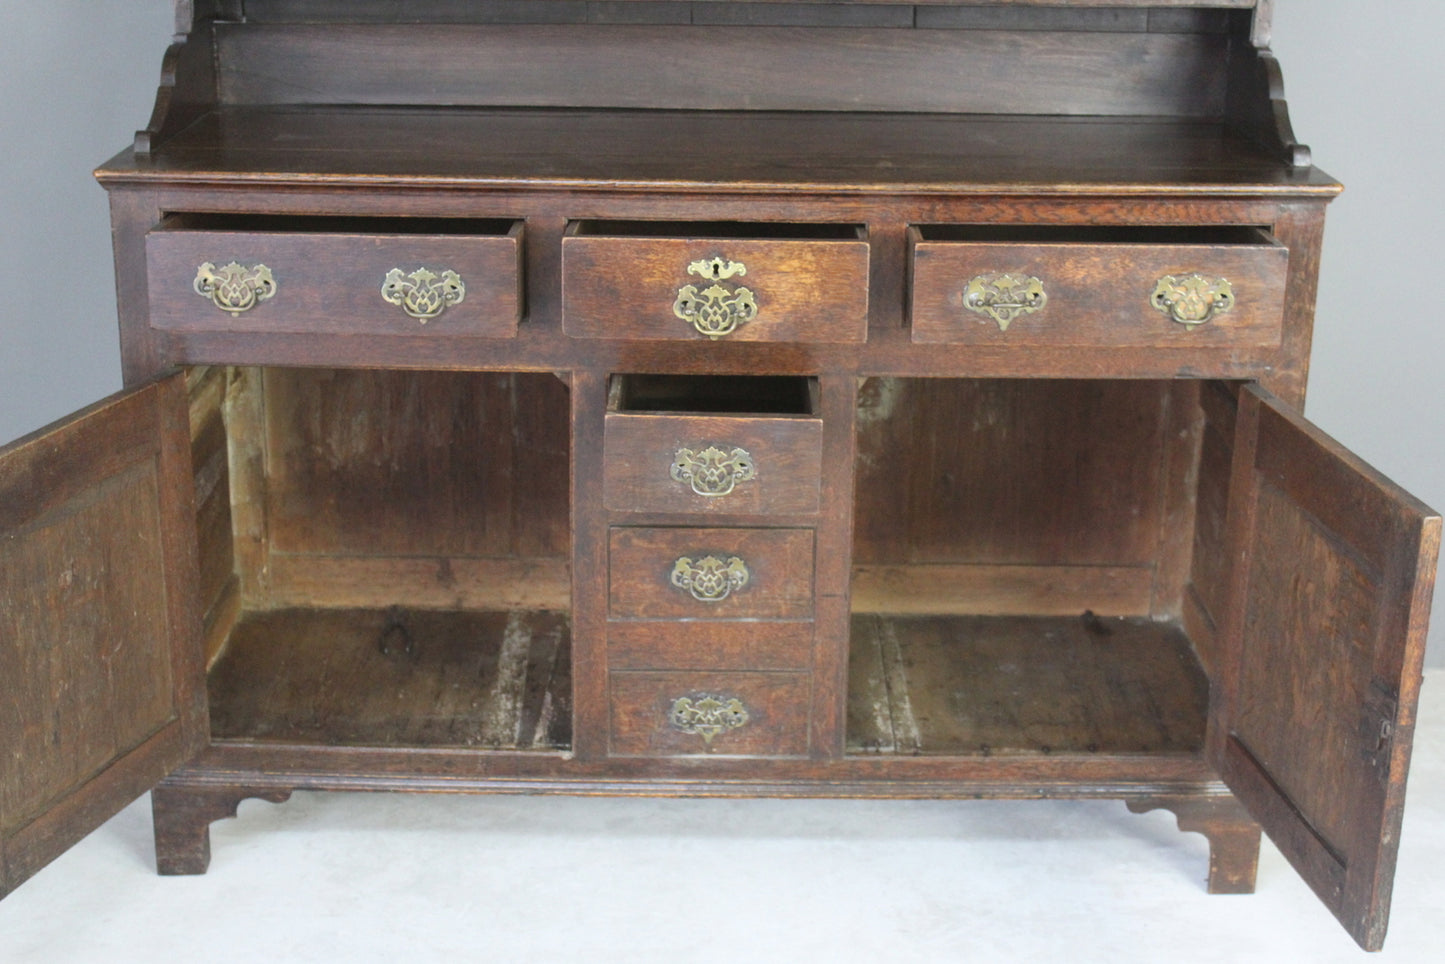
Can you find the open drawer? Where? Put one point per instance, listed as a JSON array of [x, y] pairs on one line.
[[747, 445]]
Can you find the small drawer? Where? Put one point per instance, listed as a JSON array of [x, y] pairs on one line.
[[723, 714], [442, 278], [715, 282], [710, 645], [1097, 287], [710, 573], [712, 445]]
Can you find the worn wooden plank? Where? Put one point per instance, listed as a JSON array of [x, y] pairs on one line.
[[377, 677], [997, 686]]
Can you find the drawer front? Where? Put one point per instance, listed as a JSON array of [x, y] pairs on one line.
[[710, 573], [439, 286], [709, 645], [724, 714], [715, 290], [1112, 295], [712, 464]]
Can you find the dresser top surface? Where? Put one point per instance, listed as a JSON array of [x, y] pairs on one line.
[[715, 151]]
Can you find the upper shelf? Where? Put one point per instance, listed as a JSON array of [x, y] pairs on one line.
[[1048, 93]]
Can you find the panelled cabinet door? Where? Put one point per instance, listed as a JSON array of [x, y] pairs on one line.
[[1324, 640], [101, 685]]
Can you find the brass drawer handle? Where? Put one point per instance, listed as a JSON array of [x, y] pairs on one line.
[[1192, 299], [712, 472], [234, 288], [710, 579], [706, 716], [423, 294], [716, 310], [1003, 297]]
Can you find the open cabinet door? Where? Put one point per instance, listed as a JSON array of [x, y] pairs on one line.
[[101, 680], [1324, 637]]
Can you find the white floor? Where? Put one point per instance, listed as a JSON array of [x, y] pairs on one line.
[[359, 878]]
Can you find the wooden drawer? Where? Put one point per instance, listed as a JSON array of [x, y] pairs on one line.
[[1109, 287], [710, 645], [712, 445], [710, 573], [727, 714], [440, 278], [733, 282]]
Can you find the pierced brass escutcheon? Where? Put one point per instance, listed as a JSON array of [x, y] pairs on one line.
[[706, 716], [710, 579], [1003, 297], [423, 294], [234, 288], [712, 472], [1192, 299], [716, 310]]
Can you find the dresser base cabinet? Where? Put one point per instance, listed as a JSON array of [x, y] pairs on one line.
[[514, 409], [347, 651]]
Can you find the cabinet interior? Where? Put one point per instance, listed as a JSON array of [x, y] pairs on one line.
[[385, 556]]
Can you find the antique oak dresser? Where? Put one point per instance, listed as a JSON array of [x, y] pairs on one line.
[[810, 399]]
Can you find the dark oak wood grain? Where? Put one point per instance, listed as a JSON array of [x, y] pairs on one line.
[[1324, 641], [1098, 291], [774, 714], [329, 276], [784, 459], [802, 290], [634, 66], [779, 564], [99, 620]]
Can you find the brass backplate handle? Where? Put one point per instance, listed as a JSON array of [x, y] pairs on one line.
[[706, 715], [717, 310], [1003, 297], [1192, 299], [710, 579], [712, 472], [424, 294], [234, 288]]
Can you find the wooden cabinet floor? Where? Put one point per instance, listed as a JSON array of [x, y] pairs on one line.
[[396, 877]]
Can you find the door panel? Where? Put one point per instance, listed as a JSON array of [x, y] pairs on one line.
[[102, 690], [1324, 637]]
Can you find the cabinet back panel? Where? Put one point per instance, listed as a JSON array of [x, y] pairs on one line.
[[387, 463], [709, 67], [1010, 472]]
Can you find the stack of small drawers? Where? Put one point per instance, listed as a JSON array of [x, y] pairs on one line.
[[712, 487]]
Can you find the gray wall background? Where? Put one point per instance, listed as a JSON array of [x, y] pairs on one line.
[[1363, 78]]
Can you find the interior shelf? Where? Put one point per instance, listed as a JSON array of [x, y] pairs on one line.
[[395, 678], [985, 686]]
